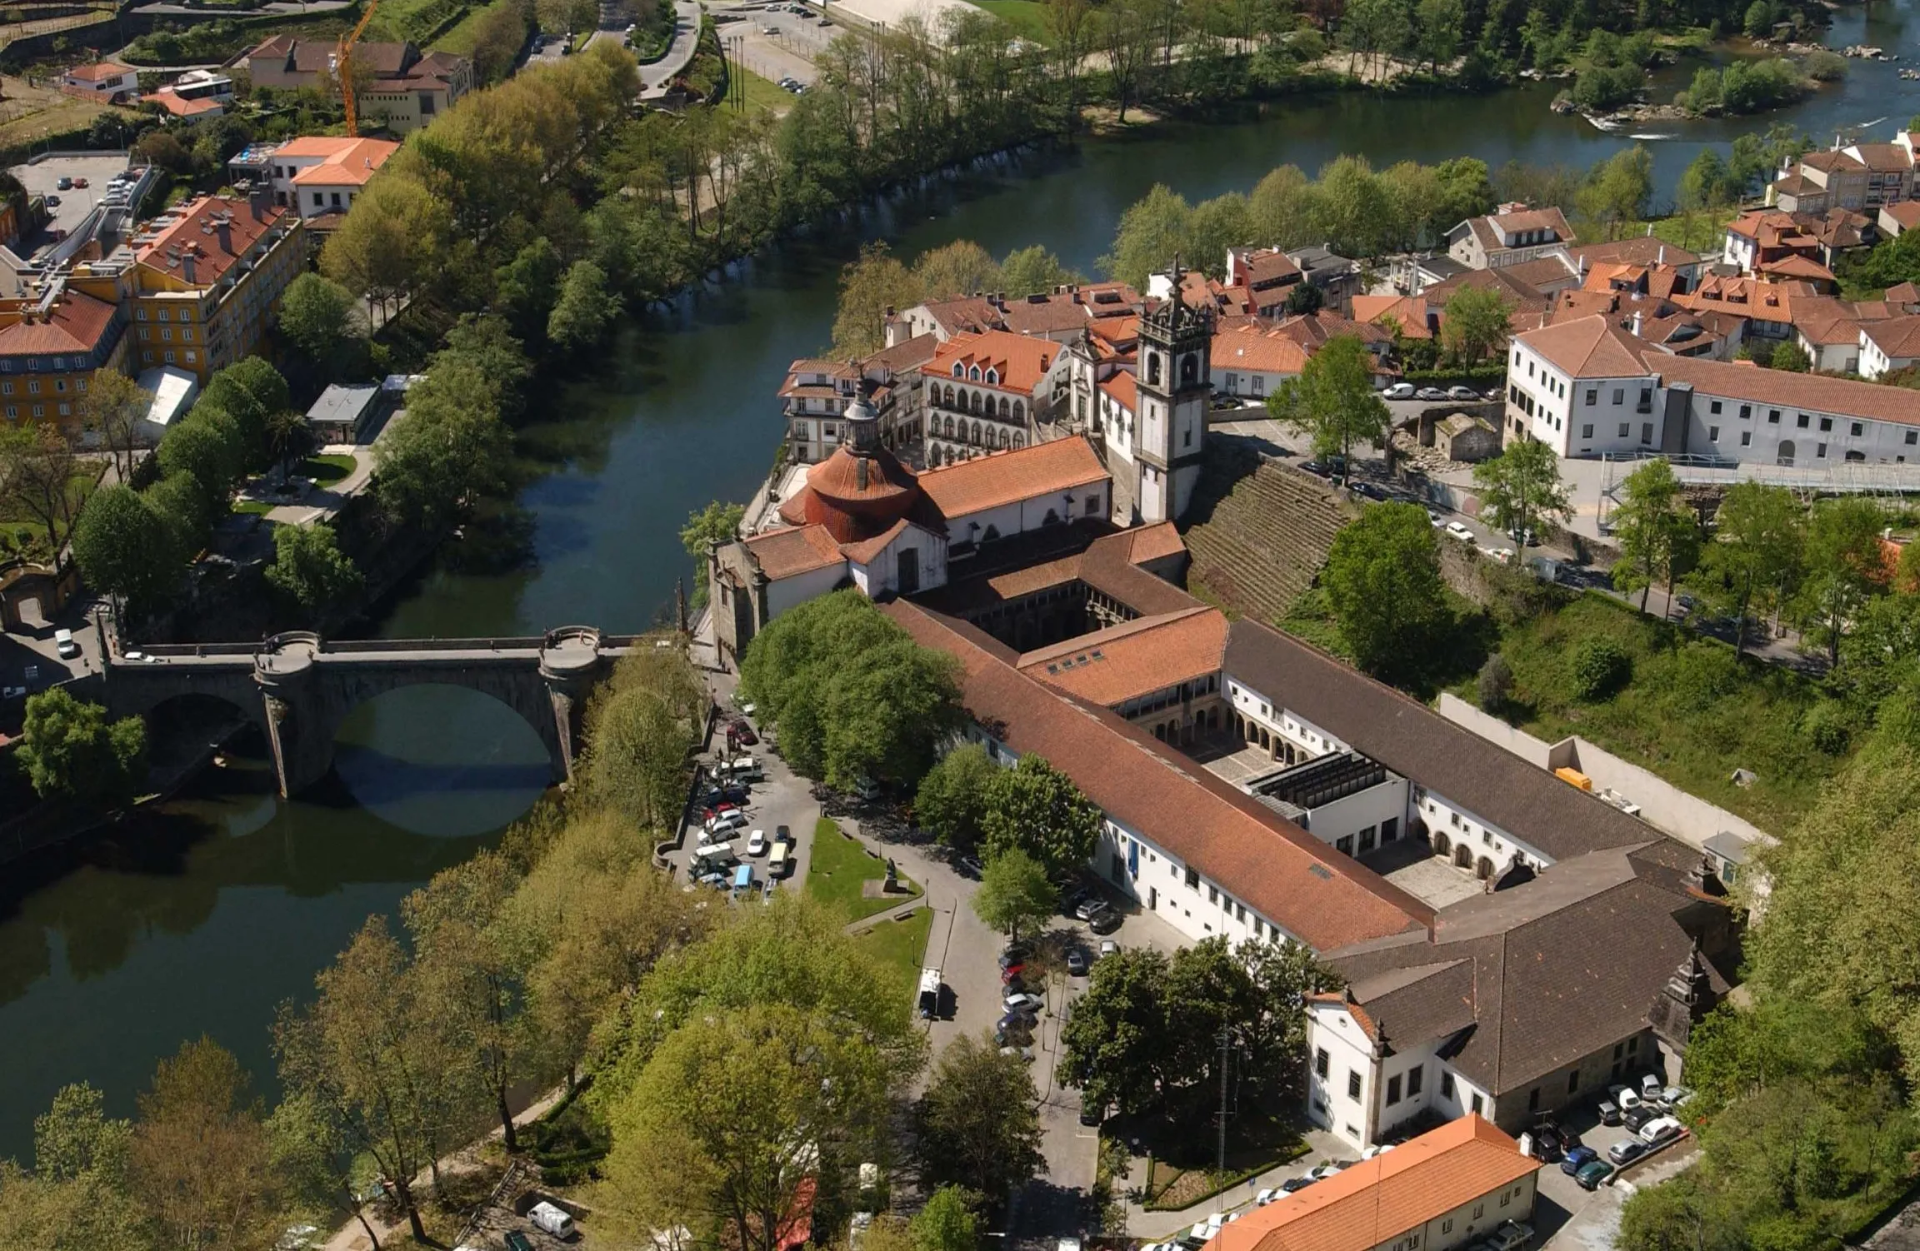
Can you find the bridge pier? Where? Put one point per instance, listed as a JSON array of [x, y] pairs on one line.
[[570, 664], [302, 749]]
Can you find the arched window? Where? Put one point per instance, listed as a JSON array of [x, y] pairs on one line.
[[1019, 441], [976, 434], [993, 377], [990, 534], [958, 371], [1189, 369], [1786, 452], [949, 425], [1856, 456], [1463, 856], [973, 374], [1020, 412], [973, 401], [1153, 369], [1051, 519], [949, 399], [1484, 869], [1441, 844], [1006, 438], [1006, 409]]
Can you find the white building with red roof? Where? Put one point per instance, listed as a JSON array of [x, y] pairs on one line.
[[322, 174], [986, 392], [103, 81], [1509, 236]]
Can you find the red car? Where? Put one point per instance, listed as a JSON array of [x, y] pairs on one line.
[[1011, 972], [743, 733]]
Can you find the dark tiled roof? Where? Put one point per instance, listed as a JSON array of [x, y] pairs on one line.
[[1412, 739]]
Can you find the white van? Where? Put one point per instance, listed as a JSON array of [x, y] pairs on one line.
[[780, 862], [714, 856], [745, 769], [550, 1218], [63, 644]]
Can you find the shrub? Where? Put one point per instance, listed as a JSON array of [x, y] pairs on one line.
[[1496, 683], [1827, 727], [1701, 675], [1599, 669]]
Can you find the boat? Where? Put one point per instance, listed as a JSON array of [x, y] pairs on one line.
[[1649, 136]]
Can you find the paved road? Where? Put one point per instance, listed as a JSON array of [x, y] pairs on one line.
[[686, 36]]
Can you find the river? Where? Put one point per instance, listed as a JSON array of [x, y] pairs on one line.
[[206, 915]]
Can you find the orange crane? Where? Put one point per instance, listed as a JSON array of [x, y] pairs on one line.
[[344, 67]]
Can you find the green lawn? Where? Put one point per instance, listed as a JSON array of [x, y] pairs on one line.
[[411, 19], [327, 470], [839, 868], [460, 39], [1027, 17], [1700, 232], [257, 508], [763, 95], [899, 947], [1689, 713]]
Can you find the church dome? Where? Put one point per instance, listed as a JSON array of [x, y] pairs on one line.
[[857, 494]]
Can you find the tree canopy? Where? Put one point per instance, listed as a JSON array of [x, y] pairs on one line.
[[1382, 581], [1035, 808], [70, 749], [1333, 399]]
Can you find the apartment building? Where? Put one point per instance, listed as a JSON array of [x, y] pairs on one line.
[[50, 345], [1509, 236], [1858, 176], [816, 393], [207, 277]]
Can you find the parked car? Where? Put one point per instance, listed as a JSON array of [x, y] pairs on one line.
[[1624, 1095], [1105, 922], [1015, 1021], [1025, 1053], [1089, 908], [1626, 1151], [1293, 1185], [1398, 391], [1435, 520], [80, 183], [1637, 1116], [1460, 532], [1108, 948], [53, 201], [63, 183], [552, 1219], [1010, 972], [1018, 1035], [517, 1241], [64, 645], [1577, 1159], [1496, 393], [1092, 1114], [1462, 393], [1077, 963], [1378, 1148], [1371, 490], [1430, 393], [1075, 898], [1320, 1172], [757, 843], [1022, 1001], [1015, 954], [743, 732], [1609, 1112], [1650, 1086], [1660, 1131], [971, 866], [1012, 984], [1512, 1236], [1318, 468], [1593, 1174], [1267, 1196]]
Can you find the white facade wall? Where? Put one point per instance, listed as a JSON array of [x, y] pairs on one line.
[[1747, 430], [1477, 1219], [1483, 839], [792, 592], [1257, 383], [881, 575], [1365, 1119], [1840, 357], [1874, 362], [1341, 823], [1006, 520]]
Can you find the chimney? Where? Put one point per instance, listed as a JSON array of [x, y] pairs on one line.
[[1661, 259], [224, 228], [1636, 323], [186, 266]]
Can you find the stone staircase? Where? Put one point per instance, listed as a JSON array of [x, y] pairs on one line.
[[1259, 531]]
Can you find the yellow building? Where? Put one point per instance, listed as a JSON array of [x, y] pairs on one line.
[[50, 344], [207, 278]]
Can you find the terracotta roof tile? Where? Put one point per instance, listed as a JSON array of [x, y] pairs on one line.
[[1007, 477], [1123, 389], [1133, 658], [1898, 338], [1375, 1202], [1146, 543], [346, 162], [77, 325], [97, 73], [1587, 347], [197, 232], [1635, 250], [789, 553], [1843, 397], [1906, 213], [1311, 891], [1019, 361]]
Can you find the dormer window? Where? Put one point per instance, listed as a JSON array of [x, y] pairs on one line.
[[993, 377], [958, 370], [973, 374]]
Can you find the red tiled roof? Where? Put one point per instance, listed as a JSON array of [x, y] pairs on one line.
[[1019, 361], [197, 233], [1906, 214], [1124, 390], [1372, 1203], [1746, 297], [1843, 397], [1587, 347], [984, 482], [1311, 891], [345, 162], [1134, 658], [1797, 266], [97, 73], [1898, 338], [789, 553], [76, 325], [1153, 542], [167, 99], [1258, 349]]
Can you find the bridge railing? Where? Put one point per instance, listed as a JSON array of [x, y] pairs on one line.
[[433, 645], [190, 649]]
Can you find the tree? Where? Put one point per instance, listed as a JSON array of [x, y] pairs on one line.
[[1216, 225], [978, 1124], [868, 288], [1475, 324], [250, 391], [734, 1115], [393, 241], [484, 342], [1152, 232], [947, 1222], [718, 522], [1382, 580], [584, 310], [201, 1161], [1617, 191], [316, 318], [1035, 808], [637, 756], [71, 749], [205, 447], [1495, 683], [851, 693], [450, 447], [962, 267], [1333, 399], [312, 1157], [1790, 357], [1034, 270], [77, 1197], [41, 479], [309, 568], [358, 1052], [1843, 568], [1124, 32], [1755, 558], [953, 797], [1521, 487], [1015, 892], [1651, 521], [115, 407], [1707, 183]]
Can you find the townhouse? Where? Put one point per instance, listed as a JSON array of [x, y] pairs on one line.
[[1587, 388], [403, 87], [986, 392], [1860, 177], [1512, 234], [316, 175], [206, 279], [816, 393], [50, 345]]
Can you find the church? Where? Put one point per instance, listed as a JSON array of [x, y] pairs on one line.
[[866, 519]]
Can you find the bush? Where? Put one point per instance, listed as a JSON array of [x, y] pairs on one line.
[[1599, 669], [1827, 726], [1701, 674], [1496, 683]]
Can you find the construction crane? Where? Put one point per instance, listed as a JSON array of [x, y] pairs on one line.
[[343, 64]]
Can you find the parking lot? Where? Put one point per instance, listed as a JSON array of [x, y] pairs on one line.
[[776, 42], [779, 798], [43, 177]]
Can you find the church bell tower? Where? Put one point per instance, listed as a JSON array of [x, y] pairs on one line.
[[1174, 388]]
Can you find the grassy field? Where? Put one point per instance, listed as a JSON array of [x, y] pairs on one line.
[[460, 39], [19, 532], [1696, 232], [1690, 713], [763, 95], [30, 113], [840, 867], [1028, 17], [898, 947], [327, 470], [412, 19]]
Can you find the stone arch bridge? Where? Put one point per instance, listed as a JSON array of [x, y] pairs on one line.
[[298, 687]]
